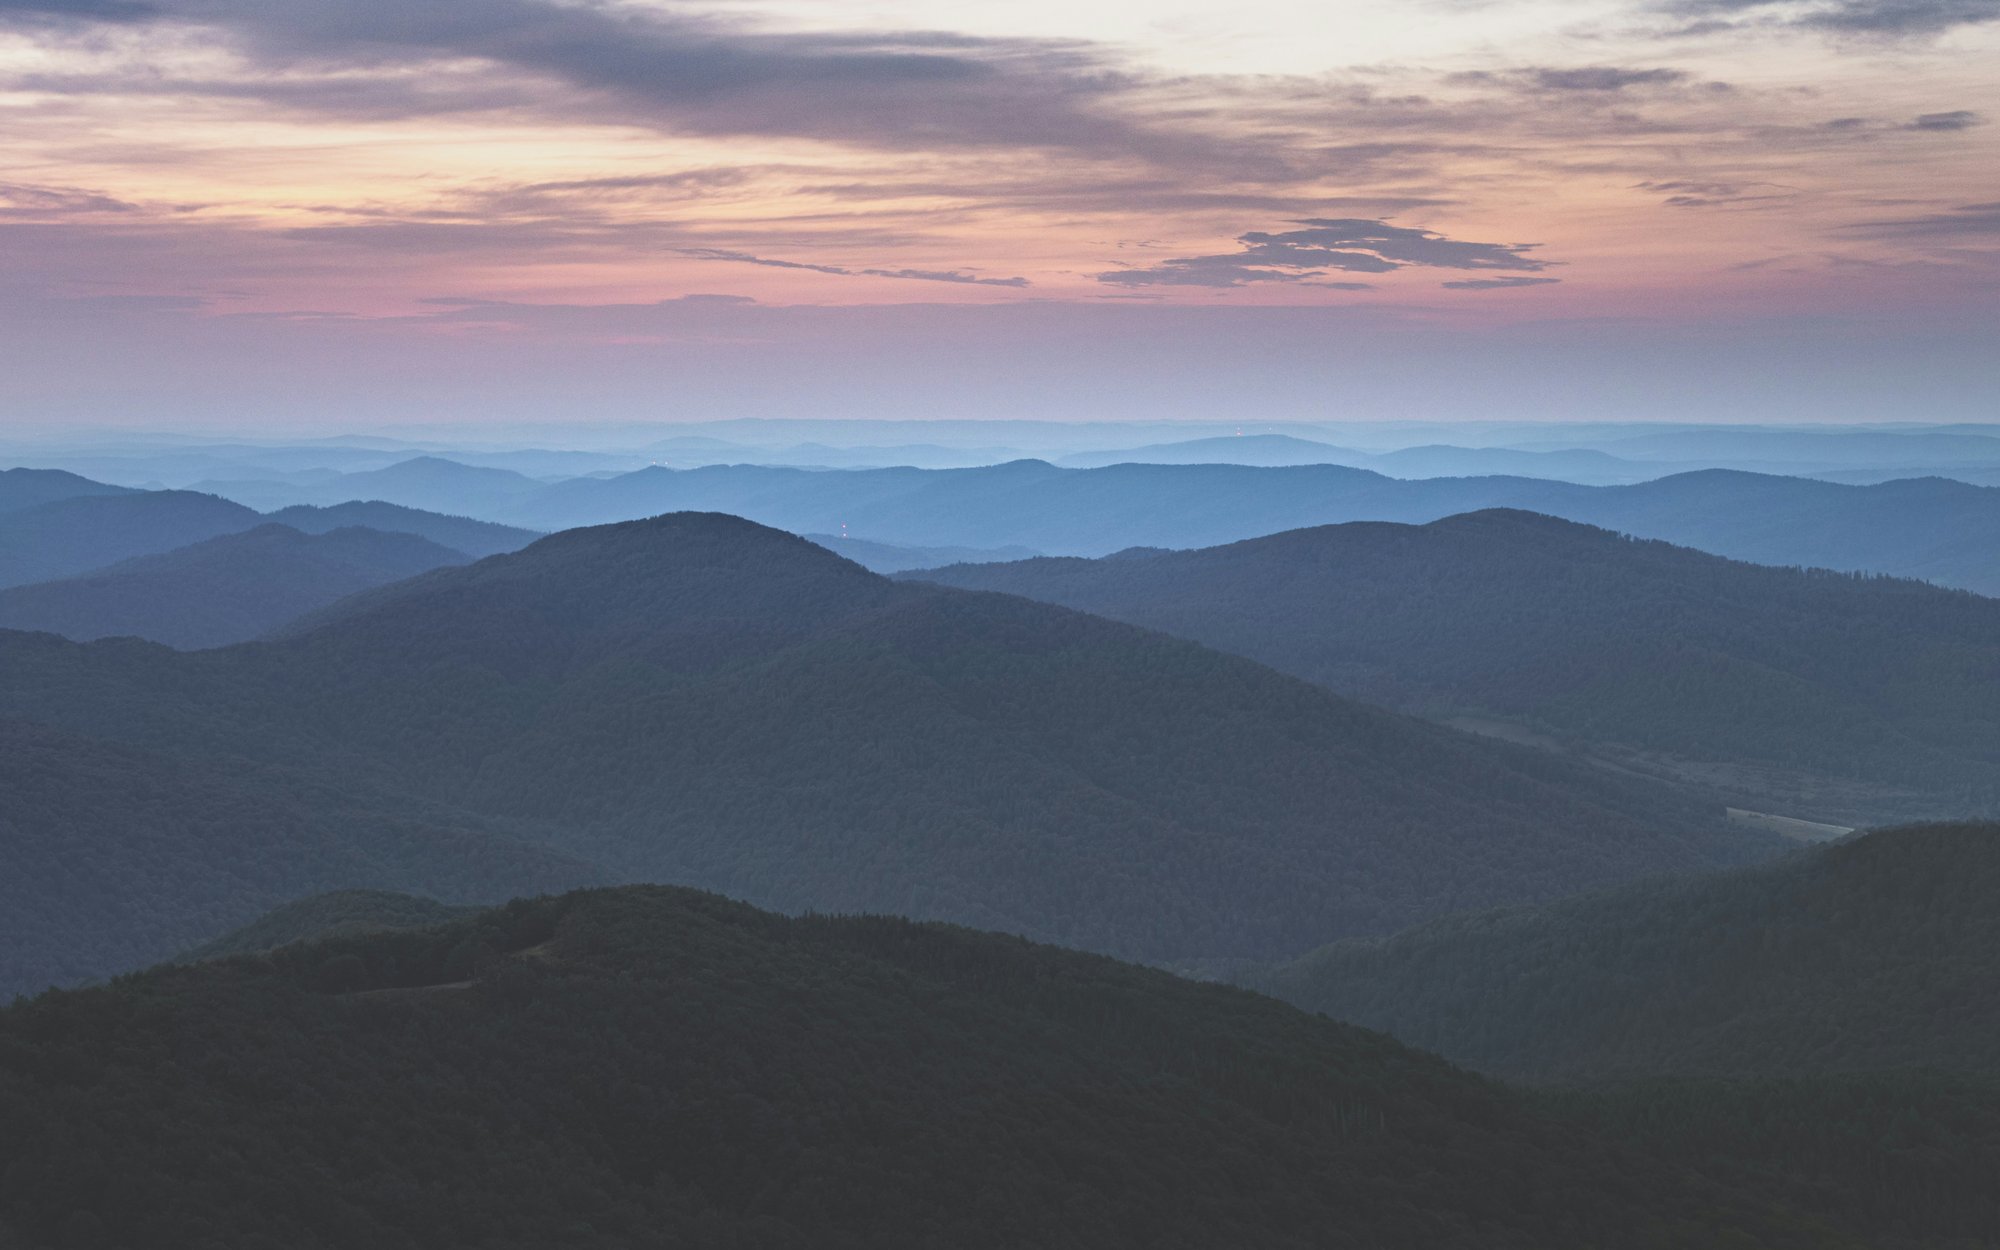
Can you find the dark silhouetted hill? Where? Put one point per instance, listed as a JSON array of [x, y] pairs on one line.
[[228, 589], [1831, 694], [1874, 953], [650, 1067]]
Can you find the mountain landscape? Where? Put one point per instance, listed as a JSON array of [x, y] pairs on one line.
[[1835, 697], [233, 588], [703, 700], [857, 626]]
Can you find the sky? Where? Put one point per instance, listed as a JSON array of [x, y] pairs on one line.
[[319, 214]]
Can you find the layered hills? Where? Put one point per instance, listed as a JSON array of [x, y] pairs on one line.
[[227, 589], [79, 526], [699, 699], [1846, 698]]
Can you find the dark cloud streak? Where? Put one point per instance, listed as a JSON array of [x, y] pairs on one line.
[[1891, 18], [1353, 245], [842, 271]]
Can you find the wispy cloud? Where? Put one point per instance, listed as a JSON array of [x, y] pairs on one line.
[[20, 199]]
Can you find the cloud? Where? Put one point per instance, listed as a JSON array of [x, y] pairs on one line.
[[1495, 284], [21, 199], [1967, 220], [920, 275], [662, 68], [711, 178], [1691, 194], [1603, 78], [1957, 119], [1893, 18], [717, 253], [1598, 78], [84, 10], [1354, 245]]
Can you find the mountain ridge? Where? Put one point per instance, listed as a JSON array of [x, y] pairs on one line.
[[704, 700], [1827, 692]]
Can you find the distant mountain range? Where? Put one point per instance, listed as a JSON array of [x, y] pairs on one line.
[[228, 589], [427, 482], [1849, 699], [702, 700], [1876, 953], [1942, 531], [1275, 450]]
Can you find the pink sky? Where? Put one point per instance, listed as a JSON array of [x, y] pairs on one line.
[[284, 210]]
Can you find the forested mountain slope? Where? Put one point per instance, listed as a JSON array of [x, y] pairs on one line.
[[698, 699], [1931, 528], [1779, 686], [1874, 953], [228, 589], [117, 857], [657, 1067]]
